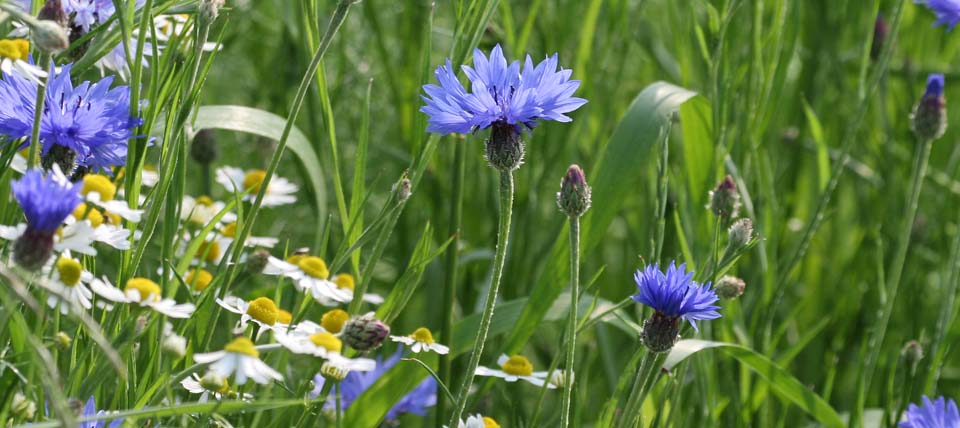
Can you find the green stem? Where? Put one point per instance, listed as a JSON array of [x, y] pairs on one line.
[[647, 371], [899, 258], [565, 412], [452, 262], [503, 238], [34, 152], [339, 411]]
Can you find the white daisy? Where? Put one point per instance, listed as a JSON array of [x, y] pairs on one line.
[[67, 284], [515, 368], [262, 311], [310, 275], [311, 339], [14, 54], [77, 237], [421, 340], [279, 192], [100, 190], [143, 292], [202, 210], [241, 360], [477, 421], [195, 384]]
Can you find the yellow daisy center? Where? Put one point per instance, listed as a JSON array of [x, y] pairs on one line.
[[253, 180], [145, 287], [69, 270], [488, 422], [314, 266], [14, 49], [99, 184], [209, 250], [327, 341], [422, 335], [295, 259], [518, 366], [345, 281], [242, 345], [229, 230], [333, 320], [264, 310], [199, 278], [284, 317], [205, 201], [82, 211]]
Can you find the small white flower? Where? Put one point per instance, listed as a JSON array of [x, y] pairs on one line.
[[143, 292], [310, 275], [201, 211], [477, 421], [261, 310], [241, 360], [421, 340], [77, 237], [515, 368], [279, 192], [67, 284], [311, 339], [194, 384]]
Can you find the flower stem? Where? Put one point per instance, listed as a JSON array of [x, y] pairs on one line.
[[34, 152], [647, 373], [565, 413], [503, 237], [339, 411], [450, 285]]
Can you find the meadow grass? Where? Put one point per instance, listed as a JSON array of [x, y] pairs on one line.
[[851, 274]]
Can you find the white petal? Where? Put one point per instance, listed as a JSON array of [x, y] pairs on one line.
[[11, 233], [209, 357], [104, 289], [123, 210]]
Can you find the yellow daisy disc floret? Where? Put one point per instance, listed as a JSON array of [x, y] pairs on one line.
[[242, 345], [82, 211], [145, 287], [518, 366], [314, 266], [209, 251], [284, 317], [200, 279], [345, 281], [253, 180], [333, 320], [488, 422], [99, 184], [69, 270], [422, 335], [14, 49], [327, 341], [264, 310]]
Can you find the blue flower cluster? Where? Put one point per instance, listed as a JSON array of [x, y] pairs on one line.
[[941, 413], [500, 93], [675, 294], [90, 119]]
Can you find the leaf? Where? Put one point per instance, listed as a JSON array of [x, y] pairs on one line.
[[781, 381], [269, 125], [615, 176]]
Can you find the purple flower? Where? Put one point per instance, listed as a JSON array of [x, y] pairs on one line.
[[675, 294], [90, 119], [90, 409], [416, 402], [501, 93], [941, 413], [947, 11], [46, 201]]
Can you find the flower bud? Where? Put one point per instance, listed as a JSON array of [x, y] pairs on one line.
[[62, 340], [175, 346], [365, 333], [559, 378], [929, 117], [49, 36], [404, 189], [32, 249], [740, 233], [204, 147], [52, 10], [724, 199], [257, 261], [504, 148], [730, 287], [333, 372], [880, 32], [660, 332], [912, 352], [23, 407], [574, 195]]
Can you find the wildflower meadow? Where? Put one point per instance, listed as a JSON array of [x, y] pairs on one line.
[[479, 213]]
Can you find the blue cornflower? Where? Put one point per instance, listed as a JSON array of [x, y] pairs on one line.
[[501, 94], [90, 409], [416, 402], [947, 11], [91, 120], [87, 13], [941, 413], [46, 202], [673, 296], [929, 119]]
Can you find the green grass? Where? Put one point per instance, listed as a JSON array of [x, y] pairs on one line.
[[781, 95]]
